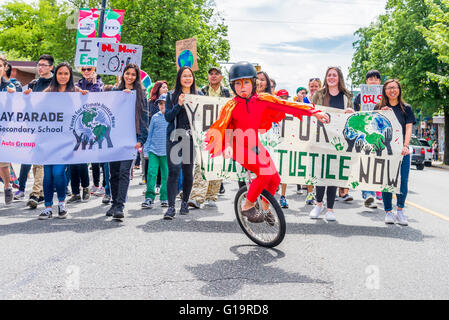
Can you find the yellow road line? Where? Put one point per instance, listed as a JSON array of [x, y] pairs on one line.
[[436, 214]]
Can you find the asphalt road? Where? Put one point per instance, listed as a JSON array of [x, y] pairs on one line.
[[205, 255]]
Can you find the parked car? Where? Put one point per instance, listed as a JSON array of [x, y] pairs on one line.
[[418, 153], [428, 154]]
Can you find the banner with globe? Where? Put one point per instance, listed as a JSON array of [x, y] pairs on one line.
[[67, 128], [358, 151]]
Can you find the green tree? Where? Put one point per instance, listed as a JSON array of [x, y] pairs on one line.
[[437, 36], [27, 30], [47, 27], [395, 46], [158, 24]]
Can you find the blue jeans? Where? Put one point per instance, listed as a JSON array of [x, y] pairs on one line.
[[366, 194], [387, 197], [107, 174], [54, 177]]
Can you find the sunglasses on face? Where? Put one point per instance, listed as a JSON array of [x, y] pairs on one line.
[[86, 69]]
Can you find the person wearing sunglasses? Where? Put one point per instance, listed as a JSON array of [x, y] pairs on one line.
[[79, 172]]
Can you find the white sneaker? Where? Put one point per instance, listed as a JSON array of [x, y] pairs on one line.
[[62, 211], [211, 204], [194, 204], [370, 202], [389, 218], [401, 218], [93, 189], [330, 216], [316, 211]]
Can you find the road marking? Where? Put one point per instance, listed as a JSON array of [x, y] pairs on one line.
[[436, 214]]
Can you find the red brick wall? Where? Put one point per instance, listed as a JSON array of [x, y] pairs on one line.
[[23, 77]]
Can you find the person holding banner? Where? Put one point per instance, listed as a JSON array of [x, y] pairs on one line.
[[314, 86], [372, 77], [5, 86], [54, 174], [335, 95], [180, 149], [45, 66], [235, 134], [120, 171], [392, 100]]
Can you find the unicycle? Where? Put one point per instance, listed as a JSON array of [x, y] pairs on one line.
[[271, 231]]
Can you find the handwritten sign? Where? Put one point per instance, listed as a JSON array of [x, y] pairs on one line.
[[114, 57], [370, 95], [186, 54], [87, 51]]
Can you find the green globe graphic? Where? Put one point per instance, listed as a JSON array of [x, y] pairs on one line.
[[93, 126], [185, 59]]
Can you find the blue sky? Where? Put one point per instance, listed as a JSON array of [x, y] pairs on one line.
[[295, 40]]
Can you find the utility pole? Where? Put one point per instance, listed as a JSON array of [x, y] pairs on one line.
[[101, 26]]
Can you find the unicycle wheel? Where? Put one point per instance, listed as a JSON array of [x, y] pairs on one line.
[[271, 231]]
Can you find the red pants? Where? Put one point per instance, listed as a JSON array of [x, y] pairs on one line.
[[258, 160]]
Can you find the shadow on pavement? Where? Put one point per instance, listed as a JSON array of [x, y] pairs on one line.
[[227, 277], [320, 227]]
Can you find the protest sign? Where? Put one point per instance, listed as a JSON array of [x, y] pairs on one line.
[[87, 23], [114, 57], [67, 128], [87, 51], [357, 151], [186, 54], [370, 95], [113, 21]]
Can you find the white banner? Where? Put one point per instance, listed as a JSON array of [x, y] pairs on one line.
[[67, 128], [357, 151]]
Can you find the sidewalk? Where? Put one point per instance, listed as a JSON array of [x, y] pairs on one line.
[[439, 164]]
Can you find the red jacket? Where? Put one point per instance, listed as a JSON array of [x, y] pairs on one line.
[[259, 112]]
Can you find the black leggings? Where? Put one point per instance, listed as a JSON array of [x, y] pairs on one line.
[[96, 174], [331, 193], [79, 173], [174, 167]]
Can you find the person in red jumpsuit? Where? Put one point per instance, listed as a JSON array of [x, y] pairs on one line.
[[236, 133]]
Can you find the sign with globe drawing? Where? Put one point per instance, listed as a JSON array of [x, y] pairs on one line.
[[91, 125], [186, 54]]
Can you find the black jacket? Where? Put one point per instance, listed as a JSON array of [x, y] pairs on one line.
[[176, 115], [39, 85]]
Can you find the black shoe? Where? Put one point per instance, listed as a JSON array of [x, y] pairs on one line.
[[184, 208], [33, 202], [111, 211], [118, 213], [222, 189], [41, 199], [170, 214]]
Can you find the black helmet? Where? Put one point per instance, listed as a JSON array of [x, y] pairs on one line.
[[242, 70]]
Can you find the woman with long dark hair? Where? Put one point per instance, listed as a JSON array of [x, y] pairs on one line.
[[392, 100], [120, 171], [54, 174], [335, 95], [179, 141]]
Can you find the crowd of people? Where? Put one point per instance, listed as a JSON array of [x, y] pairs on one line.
[[159, 115]]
